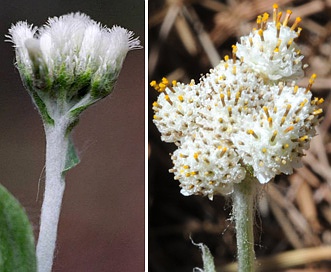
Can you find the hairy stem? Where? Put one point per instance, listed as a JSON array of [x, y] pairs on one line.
[[56, 150], [243, 209]]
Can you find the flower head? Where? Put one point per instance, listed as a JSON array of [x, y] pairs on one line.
[[243, 118], [71, 59], [281, 58]]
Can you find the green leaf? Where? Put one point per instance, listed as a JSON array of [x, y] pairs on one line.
[[72, 158], [17, 248], [207, 258]]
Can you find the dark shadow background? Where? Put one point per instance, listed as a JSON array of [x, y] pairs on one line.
[[102, 221]]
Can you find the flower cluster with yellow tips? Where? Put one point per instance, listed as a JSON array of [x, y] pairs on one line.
[[246, 117], [270, 48]]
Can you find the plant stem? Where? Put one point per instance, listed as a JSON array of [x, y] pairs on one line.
[[56, 150], [243, 210]]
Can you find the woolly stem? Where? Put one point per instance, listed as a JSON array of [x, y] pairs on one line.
[[56, 150], [243, 211]]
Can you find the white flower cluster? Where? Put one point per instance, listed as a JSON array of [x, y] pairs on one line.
[[243, 118], [71, 57]]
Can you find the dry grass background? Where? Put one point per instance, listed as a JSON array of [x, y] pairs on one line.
[[293, 223]]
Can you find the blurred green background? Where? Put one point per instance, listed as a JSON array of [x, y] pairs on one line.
[[102, 221]]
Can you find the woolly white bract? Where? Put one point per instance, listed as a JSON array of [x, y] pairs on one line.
[[243, 118], [71, 57]]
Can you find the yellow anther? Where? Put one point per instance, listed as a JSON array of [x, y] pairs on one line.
[[222, 99], [311, 82], [320, 101], [192, 83], [270, 121], [303, 103], [180, 98], [296, 22], [264, 150], [155, 104], [284, 162], [153, 83], [312, 78], [228, 94], [224, 149], [265, 18], [238, 94], [289, 43], [278, 29], [220, 120], [174, 83], [166, 97], [165, 81], [299, 31], [155, 117], [265, 109], [260, 32], [287, 17], [279, 41], [273, 137], [289, 129], [234, 51], [303, 138], [285, 146], [317, 112], [182, 155], [230, 111], [313, 102], [275, 10], [226, 57], [234, 70], [194, 173], [187, 175], [258, 21], [250, 41], [196, 155], [162, 86], [186, 166], [296, 88], [252, 132], [288, 107]]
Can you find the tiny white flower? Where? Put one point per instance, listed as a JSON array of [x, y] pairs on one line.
[[243, 118], [72, 60]]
